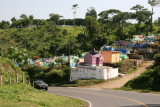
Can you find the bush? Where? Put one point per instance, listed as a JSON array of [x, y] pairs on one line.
[[157, 59], [51, 75], [148, 80], [60, 61], [124, 66]]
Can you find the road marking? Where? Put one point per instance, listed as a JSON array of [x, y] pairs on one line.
[[90, 104], [86, 88], [105, 94]]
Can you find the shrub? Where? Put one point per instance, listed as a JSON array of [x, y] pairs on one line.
[[124, 66], [148, 80], [157, 59], [51, 75], [61, 61]]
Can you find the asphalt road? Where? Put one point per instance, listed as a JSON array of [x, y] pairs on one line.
[[108, 98]]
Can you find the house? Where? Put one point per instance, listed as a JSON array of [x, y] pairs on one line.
[[111, 56], [93, 59]]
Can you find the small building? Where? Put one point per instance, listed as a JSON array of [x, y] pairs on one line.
[[111, 56], [93, 59], [125, 42]]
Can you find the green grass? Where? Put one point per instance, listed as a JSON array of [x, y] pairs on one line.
[[132, 70], [73, 30], [138, 90], [22, 95]]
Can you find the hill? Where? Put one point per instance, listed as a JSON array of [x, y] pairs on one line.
[[22, 94], [43, 41]]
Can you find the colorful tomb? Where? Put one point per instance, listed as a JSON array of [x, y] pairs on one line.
[[93, 59], [111, 56]]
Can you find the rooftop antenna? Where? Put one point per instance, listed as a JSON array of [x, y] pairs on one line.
[[74, 7]]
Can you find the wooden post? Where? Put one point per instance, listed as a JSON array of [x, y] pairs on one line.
[[17, 78], [29, 81], [1, 80], [33, 83], [10, 80], [23, 77]]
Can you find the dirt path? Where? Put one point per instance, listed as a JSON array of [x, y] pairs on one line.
[[121, 81]]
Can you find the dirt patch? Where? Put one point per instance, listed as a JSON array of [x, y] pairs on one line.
[[111, 84]]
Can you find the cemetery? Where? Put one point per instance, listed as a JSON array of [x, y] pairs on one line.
[[106, 63]]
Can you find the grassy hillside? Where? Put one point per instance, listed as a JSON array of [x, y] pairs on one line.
[[7, 69], [73, 30], [44, 41], [148, 81], [23, 95]]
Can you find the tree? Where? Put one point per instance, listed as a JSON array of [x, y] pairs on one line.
[[74, 7], [152, 3], [4, 24], [92, 34], [55, 17], [19, 55], [142, 15], [91, 12], [23, 16]]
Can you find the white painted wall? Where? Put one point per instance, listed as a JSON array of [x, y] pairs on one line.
[[98, 73]]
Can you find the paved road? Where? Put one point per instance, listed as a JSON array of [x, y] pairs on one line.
[[109, 98]]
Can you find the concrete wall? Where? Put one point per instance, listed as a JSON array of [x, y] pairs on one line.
[[98, 73], [111, 56]]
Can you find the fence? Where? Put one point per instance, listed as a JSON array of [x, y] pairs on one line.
[[4, 80]]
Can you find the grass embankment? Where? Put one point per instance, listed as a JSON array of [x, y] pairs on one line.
[[22, 95], [146, 82]]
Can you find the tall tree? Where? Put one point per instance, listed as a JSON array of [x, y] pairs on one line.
[[152, 3], [91, 12], [55, 17], [74, 7], [142, 15], [23, 16]]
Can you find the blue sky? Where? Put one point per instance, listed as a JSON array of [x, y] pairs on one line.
[[41, 9]]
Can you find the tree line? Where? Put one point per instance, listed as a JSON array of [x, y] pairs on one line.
[[45, 38]]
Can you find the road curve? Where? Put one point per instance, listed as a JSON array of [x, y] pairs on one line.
[[109, 98]]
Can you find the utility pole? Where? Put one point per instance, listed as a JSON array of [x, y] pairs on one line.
[[74, 7], [69, 59]]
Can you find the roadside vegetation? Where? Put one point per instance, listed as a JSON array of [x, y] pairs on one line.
[[23, 95], [148, 81], [57, 75]]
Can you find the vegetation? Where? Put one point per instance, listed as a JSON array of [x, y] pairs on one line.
[[57, 75], [9, 69], [45, 38], [16, 96], [54, 75], [147, 81]]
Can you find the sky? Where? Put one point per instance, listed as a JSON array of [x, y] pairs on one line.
[[41, 9]]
